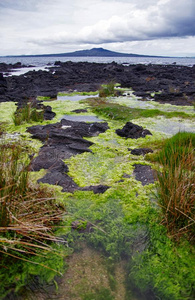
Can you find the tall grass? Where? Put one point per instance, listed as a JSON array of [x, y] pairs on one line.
[[175, 191], [27, 114], [27, 212]]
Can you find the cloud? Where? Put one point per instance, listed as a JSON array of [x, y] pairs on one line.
[[165, 19], [46, 26], [168, 19]]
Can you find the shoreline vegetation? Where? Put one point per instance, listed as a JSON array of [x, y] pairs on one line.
[[148, 227]]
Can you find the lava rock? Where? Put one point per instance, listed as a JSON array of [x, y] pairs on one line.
[[144, 173], [78, 111], [61, 179], [141, 151], [176, 82], [48, 113], [63, 140], [133, 131], [97, 189]]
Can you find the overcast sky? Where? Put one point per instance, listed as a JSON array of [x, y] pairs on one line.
[[153, 27]]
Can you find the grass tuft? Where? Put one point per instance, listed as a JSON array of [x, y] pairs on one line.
[[27, 212], [27, 114], [107, 90], [175, 190]]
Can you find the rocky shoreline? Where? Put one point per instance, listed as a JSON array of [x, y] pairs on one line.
[[171, 83], [176, 85], [125, 213]]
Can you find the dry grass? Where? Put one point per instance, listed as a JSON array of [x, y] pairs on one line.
[[28, 213]]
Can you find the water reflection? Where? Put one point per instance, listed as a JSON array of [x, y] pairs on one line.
[[89, 119], [75, 97], [170, 126]]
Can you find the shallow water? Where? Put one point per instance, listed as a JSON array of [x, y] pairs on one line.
[[135, 102], [75, 97], [82, 118], [24, 70], [86, 278], [159, 124], [172, 126], [166, 126]]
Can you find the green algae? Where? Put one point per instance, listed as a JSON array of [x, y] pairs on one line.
[[16, 274], [136, 102], [119, 112], [128, 211], [128, 108], [65, 107], [78, 93], [125, 219]]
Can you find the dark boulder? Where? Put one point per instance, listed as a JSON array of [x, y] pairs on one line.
[[133, 131], [48, 113]]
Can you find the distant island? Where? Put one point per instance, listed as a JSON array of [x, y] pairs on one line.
[[99, 52], [94, 52]]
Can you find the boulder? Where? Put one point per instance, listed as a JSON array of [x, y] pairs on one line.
[[133, 131]]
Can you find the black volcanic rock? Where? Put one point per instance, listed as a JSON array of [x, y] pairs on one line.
[[61, 141], [97, 189], [3, 86], [78, 111], [175, 83], [141, 151], [61, 179], [144, 173], [48, 113], [133, 131]]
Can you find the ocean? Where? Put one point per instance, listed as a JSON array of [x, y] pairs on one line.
[[44, 62]]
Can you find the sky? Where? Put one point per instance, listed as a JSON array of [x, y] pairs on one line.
[[149, 27]]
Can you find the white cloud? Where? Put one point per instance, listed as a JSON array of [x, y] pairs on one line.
[[47, 26]]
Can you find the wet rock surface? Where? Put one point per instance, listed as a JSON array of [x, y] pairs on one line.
[[133, 131], [144, 173], [140, 151], [175, 83], [78, 111], [9, 67], [61, 141]]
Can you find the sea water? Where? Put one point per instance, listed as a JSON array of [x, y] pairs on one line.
[[45, 62]]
